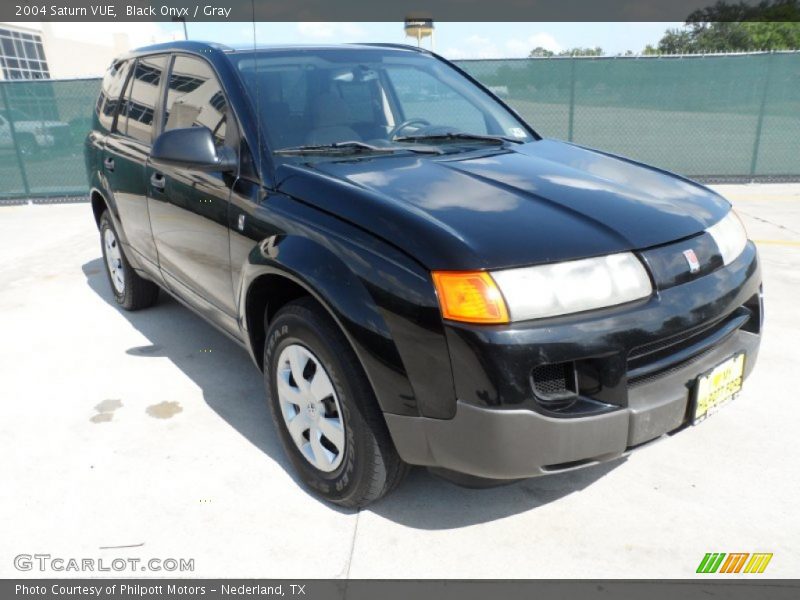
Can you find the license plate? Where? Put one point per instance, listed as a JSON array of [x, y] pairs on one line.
[[718, 386]]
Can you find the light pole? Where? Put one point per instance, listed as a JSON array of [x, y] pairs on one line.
[[185, 31]]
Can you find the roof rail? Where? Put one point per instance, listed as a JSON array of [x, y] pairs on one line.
[[184, 45], [398, 46]]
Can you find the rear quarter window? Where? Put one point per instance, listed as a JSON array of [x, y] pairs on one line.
[[110, 91]]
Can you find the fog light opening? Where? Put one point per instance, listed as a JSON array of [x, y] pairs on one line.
[[555, 385]]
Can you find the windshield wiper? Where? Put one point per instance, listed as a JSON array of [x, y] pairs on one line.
[[458, 136], [351, 147]]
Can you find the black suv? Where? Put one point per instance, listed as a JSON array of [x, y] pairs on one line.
[[421, 277]]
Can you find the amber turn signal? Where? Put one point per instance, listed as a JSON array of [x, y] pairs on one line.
[[470, 296]]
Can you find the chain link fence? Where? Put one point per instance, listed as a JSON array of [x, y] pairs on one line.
[[713, 117], [43, 125]]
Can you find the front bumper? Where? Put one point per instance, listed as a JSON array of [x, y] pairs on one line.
[[499, 431]]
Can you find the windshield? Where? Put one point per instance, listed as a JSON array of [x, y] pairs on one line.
[[308, 99]]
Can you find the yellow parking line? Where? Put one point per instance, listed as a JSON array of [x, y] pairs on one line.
[[779, 242]]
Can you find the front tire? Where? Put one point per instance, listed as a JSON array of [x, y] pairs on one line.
[[323, 406], [131, 291]]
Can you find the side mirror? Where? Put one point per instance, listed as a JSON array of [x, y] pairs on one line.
[[193, 148]]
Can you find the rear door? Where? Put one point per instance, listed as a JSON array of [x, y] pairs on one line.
[[189, 208], [127, 148]]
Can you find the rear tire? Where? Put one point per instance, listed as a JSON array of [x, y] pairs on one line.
[[131, 291], [303, 339]]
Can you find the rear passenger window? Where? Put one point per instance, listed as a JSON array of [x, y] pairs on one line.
[[195, 98], [138, 110], [110, 92]]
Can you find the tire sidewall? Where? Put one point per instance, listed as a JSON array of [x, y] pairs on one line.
[[289, 329], [106, 223]]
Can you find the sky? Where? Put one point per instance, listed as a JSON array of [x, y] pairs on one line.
[[452, 40]]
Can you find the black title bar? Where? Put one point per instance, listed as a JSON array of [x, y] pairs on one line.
[[390, 10], [339, 589]]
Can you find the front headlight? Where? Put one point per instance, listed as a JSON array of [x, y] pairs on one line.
[[730, 236], [573, 286]]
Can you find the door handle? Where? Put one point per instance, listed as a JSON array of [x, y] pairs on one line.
[[157, 181], [108, 163]]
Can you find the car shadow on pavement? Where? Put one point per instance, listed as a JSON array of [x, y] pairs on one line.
[[230, 382], [232, 386], [425, 501]]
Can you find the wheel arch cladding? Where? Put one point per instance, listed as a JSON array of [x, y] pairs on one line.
[[99, 205], [383, 309]]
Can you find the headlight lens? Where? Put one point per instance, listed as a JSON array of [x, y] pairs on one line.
[[573, 286], [730, 236]]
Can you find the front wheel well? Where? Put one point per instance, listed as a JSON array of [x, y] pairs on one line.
[[99, 206], [265, 297]]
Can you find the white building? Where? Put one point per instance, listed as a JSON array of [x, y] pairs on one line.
[[69, 50]]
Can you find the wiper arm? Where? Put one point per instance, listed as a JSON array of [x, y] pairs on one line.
[[350, 147], [456, 136]]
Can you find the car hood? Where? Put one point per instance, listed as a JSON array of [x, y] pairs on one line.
[[540, 202]]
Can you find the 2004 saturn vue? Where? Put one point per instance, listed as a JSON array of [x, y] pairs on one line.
[[421, 277]]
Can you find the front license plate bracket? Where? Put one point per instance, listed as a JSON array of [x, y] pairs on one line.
[[717, 386]]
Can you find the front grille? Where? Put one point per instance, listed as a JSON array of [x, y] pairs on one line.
[[651, 377], [672, 342], [659, 358]]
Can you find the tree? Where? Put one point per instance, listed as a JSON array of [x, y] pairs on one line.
[[540, 52], [597, 51], [770, 25]]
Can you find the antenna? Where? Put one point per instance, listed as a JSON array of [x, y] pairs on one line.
[[258, 93]]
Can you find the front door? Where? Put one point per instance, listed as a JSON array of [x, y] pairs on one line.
[[189, 208]]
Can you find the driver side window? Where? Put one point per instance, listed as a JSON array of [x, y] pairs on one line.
[[420, 94], [195, 98]]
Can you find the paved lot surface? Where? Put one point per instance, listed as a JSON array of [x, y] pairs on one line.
[[145, 435]]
